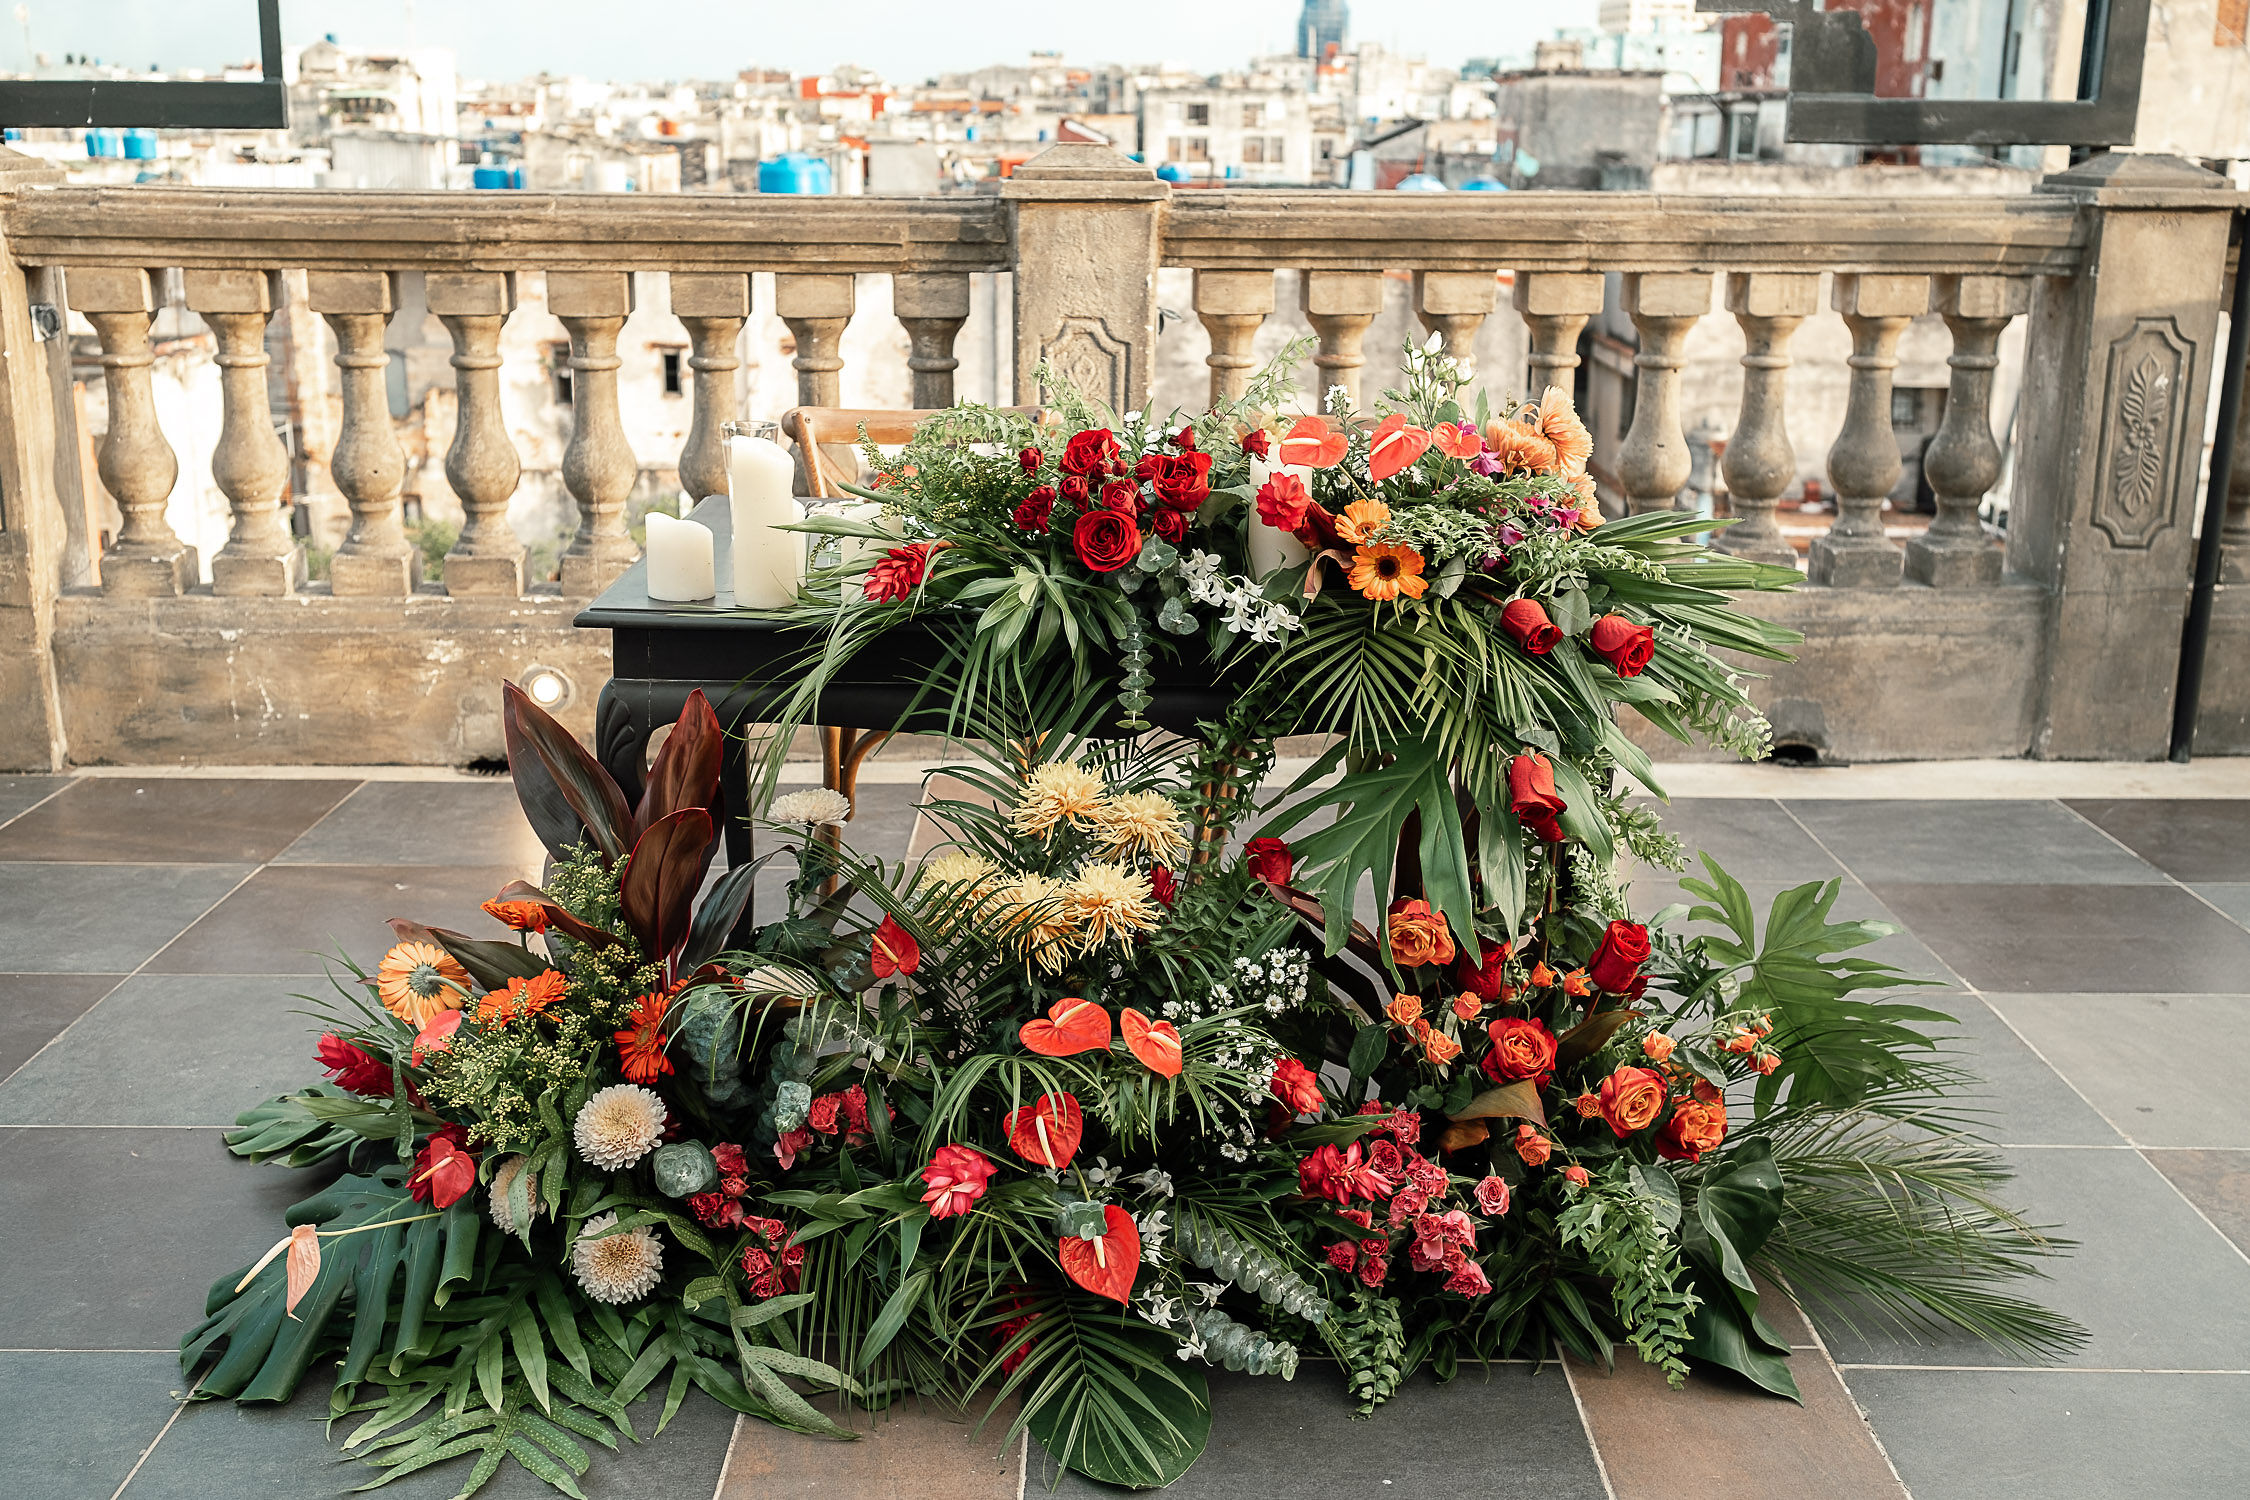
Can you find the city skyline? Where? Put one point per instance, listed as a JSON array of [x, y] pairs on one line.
[[907, 41]]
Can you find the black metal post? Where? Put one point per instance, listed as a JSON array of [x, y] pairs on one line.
[[2188, 696]]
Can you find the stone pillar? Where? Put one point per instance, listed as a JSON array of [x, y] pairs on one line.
[[1087, 227], [33, 531], [931, 306], [1963, 461], [137, 465], [1654, 463], [482, 465], [1232, 306], [249, 463], [1554, 306], [2109, 439], [1341, 306], [598, 466], [1759, 461], [369, 467], [1864, 463], [713, 306], [1455, 304]]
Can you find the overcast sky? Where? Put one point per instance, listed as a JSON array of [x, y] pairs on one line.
[[906, 40]]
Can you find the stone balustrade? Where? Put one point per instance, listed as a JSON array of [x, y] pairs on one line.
[[1955, 643]]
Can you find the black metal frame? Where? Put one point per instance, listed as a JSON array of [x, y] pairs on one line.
[[192, 105], [1831, 73]]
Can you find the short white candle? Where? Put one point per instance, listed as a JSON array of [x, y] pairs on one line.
[[679, 559], [768, 564], [1269, 548]]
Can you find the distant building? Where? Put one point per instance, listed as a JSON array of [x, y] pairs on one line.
[[1322, 27], [1642, 16]]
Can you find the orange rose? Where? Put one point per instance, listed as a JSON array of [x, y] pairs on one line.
[[1695, 1127], [1743, 1041], [1631, 1099], [1765, 1062], [1439, 1048], [1466, 1007], [1541, 976], [1576, 983], [1658, 1046], [1532, 1146], [1404, 1009], [1588, 1105], [1418, 935], [1577, 1176]]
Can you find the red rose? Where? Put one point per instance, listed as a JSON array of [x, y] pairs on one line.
[[1029, 458], [1695, 1127], [1295, 1085], [1616, 964], [1076, 490], [1531, 795], [1089, 452], [1282, 501], [1520, 1049], [1122, 496], [1481, 975], [730, 1159], [1105, 540], [900, 572], [1170, 524], [1631, 1099], [1184, 482], [1185, 438], [1622, 644], [1270, 861], [1037, 510], [1254, 443], [1150, 465], [1526, 623]]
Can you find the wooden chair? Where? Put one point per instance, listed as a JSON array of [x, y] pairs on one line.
[[827, 438]]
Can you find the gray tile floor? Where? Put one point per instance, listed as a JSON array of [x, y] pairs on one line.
[[148, 962]]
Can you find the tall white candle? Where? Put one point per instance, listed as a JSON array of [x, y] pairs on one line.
[[1269, 548], [679, 559], [768, 564]]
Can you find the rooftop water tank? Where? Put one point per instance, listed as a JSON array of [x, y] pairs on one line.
[[1420, 182], [796, 172]]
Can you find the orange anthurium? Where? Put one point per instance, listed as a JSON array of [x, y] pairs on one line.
[[1156, 1043], [1393, 445], [1105, 1266], [303, 1266], [1312, 444], [1072, 1026], [1457, 439], [895, 950], [437, 1036], [1046, 1132]]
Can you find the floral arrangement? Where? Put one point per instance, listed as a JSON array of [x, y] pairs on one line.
[[1114, 1086]]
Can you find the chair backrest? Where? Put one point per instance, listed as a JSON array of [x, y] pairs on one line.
[[829, 435]]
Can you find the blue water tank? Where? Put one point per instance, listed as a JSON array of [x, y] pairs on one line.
[[140, 145], [104, 143], [1420, 182], [796, 172], [1484, 185], [490, 177], [1172, 171]]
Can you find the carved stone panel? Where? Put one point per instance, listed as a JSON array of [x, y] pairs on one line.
[[1088, 357], [2144, 423]]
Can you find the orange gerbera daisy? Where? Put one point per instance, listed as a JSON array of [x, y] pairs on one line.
[[417, 980], [641, 1043], [523, 916], [522, 997], [1558, 423], [1517, 446], [1387, 570], [1363, 521]]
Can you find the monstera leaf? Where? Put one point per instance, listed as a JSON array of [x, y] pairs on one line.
[[1736, 1208]]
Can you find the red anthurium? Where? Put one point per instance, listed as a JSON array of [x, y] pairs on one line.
[[1072, 1026], [437, 1036], [1105, 1266], [1393, 445], [1046, 1132], [1156, 1043], [896, 952], [303, 1265], [444, 1171], [1312, 444], [1457, 439]]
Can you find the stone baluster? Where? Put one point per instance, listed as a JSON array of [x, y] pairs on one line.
[[367, 464], [137, 466], [1963, 461], [249, 463], [1341, 306], [1554, 306], [482, 465], [1455, 304], [1759, 461], [931, 307], [1654, 463], [598, 465], [713, 306], [1864, 462], [1232, 306], [817, 309]]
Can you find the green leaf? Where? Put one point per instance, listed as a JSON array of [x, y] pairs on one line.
[[892, 1318]]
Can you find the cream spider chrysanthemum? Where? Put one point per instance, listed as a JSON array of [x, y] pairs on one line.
[[812, 807], [503, 1182], [1110, 901], [621, 1267], [1145, 823], [1054, 792], [1041, 915], [619, 1125], [960, 874]]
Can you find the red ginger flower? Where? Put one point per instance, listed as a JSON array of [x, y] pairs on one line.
[[1341, 1176], [1297, 1086], [900, 572], [956, 1175], [355, 1069]]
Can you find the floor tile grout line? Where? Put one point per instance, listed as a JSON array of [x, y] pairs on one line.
[[1854, 877], [1578, 1404], [734, 1438], [138, 969], [1866, 1420], [2041, 1369], [306, 831], [23, 812], [134, 1472], [2169, 877], [2197, 1209], [89, 1351]]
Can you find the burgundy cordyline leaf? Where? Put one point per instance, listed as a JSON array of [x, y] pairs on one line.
[[548, 763]]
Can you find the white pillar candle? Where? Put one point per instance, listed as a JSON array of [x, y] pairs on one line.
[[768, 564], [1270, 548], [679, 559]]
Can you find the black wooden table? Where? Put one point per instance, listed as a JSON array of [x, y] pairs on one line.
[[746, 664]]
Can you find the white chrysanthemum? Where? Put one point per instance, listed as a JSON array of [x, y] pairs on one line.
[[503, 1181], [621, 1267], [959, 875], [1144, 823], [811, 807], [1110, 901], [619, 1126], [1052, 793]]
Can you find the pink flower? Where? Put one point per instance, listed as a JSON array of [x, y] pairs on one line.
[[1469, 1280], [785, 1150], [1492, 1197], [1343, 1255], [956, 1176], [1372, 1270], [730, 1159], [706, 1207], [1441, 1240]]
